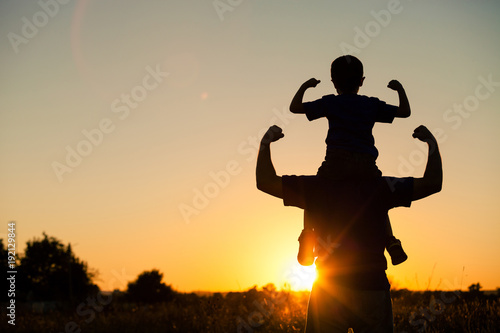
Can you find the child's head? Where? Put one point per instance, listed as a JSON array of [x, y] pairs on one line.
[[347, 74]]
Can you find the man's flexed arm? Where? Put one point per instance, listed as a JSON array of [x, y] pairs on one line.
[[267, 179], [433, 176]]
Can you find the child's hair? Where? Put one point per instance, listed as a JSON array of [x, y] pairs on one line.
[[347, 73]]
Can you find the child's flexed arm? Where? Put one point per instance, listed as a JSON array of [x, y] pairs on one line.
[[296, 104], [404, 110]]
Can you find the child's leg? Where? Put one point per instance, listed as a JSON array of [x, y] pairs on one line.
[[388, 229], [307, 240], [393, 245]]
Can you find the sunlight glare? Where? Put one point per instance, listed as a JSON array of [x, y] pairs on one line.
[[300, 277]]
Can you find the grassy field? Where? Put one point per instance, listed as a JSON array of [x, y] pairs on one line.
[[256, 310]]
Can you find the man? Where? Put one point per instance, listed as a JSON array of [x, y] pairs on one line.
[[349, 216]]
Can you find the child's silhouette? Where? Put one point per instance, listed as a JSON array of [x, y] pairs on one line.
[[351, 148]]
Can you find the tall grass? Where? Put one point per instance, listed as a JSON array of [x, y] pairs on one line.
[[264, 310]]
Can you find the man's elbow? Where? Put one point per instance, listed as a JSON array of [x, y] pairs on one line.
[[404, 113], [435, 186], [439, 186], [425, 187], [270, 186], [261, 185], [296, 109]]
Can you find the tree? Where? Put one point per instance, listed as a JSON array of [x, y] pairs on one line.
[[148, 288], [475, 288], [3, 256], [3, 273], [52, 272]]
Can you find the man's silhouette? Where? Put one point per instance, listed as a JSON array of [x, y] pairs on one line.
[[352, 290]]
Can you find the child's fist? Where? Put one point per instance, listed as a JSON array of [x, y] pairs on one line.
[[274, 133], [395, 85], [311, 83]]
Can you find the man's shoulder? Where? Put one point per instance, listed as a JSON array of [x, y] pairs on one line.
[[298, 190], [386, 181], [389, 192], [397, 190], [312, 185], [384, 188]]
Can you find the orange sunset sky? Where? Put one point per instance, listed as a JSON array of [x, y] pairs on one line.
[[129, 129]]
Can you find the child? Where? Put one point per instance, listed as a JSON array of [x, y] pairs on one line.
[[351, 148]]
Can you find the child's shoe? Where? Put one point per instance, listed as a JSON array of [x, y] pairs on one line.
[[307, 240], [396, 251]]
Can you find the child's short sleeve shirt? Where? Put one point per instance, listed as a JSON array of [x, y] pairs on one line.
[[351, 118]]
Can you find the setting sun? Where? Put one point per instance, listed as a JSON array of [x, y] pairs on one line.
[[299, 277]]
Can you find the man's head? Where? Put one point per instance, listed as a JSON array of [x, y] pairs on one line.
[[347, 74]]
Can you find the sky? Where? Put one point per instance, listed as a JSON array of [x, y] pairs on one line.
[[130, 129]]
